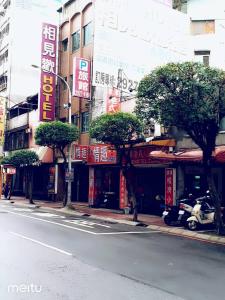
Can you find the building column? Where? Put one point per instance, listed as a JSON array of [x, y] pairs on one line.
[[92, 192], [180, 182]]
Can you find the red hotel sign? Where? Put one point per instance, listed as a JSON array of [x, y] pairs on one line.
[[48, 68], [81, 78]]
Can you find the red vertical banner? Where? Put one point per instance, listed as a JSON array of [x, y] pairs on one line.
[[92, 186], [123, 192], [48, 70], [170, 186], [81, 77]]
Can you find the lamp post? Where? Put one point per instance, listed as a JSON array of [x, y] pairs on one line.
[[68, 202]]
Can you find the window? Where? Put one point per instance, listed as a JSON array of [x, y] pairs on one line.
[[76, 41], [75, 120], [84, 121], [87, 34], [202, 27], [202, 56], [71, 83], [16, 140], [65, 45]]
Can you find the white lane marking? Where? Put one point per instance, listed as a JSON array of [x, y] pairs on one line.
[[40, 243], [127, 232], [85, 223], [22, 209], [79, 229], [51, 222], [48, 215], [77, 222]]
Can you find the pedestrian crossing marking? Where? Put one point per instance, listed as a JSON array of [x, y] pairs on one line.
[[48, 215]]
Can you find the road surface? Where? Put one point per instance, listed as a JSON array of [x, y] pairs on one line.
[[53, 256]]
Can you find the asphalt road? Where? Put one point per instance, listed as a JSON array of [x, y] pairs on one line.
[[45, 255]]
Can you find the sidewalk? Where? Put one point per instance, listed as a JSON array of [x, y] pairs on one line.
[[150, 221]]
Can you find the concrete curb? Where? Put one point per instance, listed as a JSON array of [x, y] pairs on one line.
[[190, 234], [169, 230]]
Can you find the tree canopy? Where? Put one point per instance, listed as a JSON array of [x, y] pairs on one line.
[[116, 129], [188, 95], [55, 134], [21, 158]]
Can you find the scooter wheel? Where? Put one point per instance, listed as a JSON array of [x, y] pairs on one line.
[[167, 220], [192, 225]]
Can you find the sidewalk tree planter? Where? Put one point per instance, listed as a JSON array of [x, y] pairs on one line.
[[57, 135], [123, 131], [24, 159], [191, 97]]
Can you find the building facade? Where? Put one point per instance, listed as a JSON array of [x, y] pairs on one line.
[[121, 48], [20, 47]]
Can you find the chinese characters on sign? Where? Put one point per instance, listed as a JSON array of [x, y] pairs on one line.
[[81, 78], [2, 119], [113, 101], [170, 186], [48, 68], [79, 152], [98, 154], [119, 82], [101, 155], [123, 191]]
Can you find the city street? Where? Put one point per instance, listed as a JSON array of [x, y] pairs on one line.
[[53, 256]]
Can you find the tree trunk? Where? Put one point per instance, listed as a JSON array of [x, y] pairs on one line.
[[131, 194], [30, 172], [26, 183], [215, 197]]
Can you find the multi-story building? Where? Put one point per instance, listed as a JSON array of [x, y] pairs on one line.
[[206, 45], [123, 41], [20, 47]]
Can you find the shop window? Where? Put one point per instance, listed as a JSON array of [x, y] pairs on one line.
[[203, 27], [65, 45], [87, 34], [71, 83], [202, 56], [75, 120], [84, 122], [64, 84], [76, 41]]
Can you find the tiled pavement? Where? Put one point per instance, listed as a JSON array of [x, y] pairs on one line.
[[153, 222]]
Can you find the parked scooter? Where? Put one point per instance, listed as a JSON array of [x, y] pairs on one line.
[[202, 214], [170, 215], [186, 207], [178, 215]]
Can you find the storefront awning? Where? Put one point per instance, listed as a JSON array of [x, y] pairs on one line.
[[44, 153], [193, 155]]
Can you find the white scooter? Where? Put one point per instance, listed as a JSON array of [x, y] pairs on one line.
[[202, 214]]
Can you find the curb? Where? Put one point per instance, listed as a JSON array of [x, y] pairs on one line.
[[168, 230]]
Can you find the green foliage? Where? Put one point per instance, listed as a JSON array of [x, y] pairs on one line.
[[188, 95], [21, 158], [56, 134], [116, 129]]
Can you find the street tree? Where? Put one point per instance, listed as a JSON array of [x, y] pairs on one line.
[[123, 131], [26, 159], [57, 135], [191, 97]]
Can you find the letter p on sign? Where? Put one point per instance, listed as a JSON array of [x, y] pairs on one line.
[[83, 65]]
